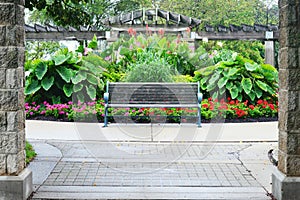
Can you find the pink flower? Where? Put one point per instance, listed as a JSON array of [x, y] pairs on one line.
[[86, 51]]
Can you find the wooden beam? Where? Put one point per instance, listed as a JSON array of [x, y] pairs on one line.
[[76, 35], [239, 35]]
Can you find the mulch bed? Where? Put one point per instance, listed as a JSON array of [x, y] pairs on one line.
[[238, 120]]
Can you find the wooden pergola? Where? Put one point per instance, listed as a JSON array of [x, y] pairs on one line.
[[154, 20]]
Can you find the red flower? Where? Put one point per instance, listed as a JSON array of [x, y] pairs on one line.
[[228, 98], [223, 107], [209, 99], [231, 102], [240, 113], [251, 107], [205, 105], [271, 106], [246, 103], [266, 102], [260, 101], [211, 107], [236, 101]]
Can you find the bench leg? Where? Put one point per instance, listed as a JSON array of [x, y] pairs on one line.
[[105, 116], [199, 117]]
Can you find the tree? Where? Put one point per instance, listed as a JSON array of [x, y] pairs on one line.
[[215, 12], [78, 12], [67, 12]]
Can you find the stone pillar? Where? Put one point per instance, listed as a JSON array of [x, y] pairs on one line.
[[15, 181], [286, 178]]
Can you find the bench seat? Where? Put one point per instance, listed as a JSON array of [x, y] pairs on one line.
[[152, 95]]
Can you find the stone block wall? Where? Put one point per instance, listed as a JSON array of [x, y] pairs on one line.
[[12, 121], [289, 83]]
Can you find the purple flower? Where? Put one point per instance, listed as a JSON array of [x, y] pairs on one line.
[[31, 113]]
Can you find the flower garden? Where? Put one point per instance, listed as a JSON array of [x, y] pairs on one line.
[[69, 85]]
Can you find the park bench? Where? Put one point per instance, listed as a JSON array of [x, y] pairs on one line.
[[152, 95]]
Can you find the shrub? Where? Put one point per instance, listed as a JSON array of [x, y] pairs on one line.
[[149, 68]]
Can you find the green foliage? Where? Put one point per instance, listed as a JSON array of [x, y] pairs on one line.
[[63, 76], [240, 78], [253, 50], [170, 50], [217, 12], [30, 153], [78, 12], [149, 68], [40, 49]]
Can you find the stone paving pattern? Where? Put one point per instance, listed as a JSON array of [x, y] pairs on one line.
[[187, 167], [144, 170]]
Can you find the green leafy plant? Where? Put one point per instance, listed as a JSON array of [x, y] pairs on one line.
[[63, 75], [30, 153], [149, 68], [177, 53], [239, 78]]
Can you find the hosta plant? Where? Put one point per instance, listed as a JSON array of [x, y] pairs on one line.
[[64, 76], [239, 78]]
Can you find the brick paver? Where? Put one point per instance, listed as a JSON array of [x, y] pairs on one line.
[[149, 164], [153, 167]]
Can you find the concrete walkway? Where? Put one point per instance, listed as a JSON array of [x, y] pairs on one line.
[[86, 161]]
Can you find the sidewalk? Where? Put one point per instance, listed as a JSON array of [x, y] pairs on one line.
[[151, 162]]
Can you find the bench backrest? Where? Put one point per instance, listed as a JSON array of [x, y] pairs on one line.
[[153, 93]]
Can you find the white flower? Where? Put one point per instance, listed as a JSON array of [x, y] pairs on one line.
[[27, 73], [220, 44]]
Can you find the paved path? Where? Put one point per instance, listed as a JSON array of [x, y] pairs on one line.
[[73, 169]]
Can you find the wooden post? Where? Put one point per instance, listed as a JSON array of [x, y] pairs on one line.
[[270, 53]]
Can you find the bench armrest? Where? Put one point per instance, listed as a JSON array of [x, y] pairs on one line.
[[200, 97], [106, 97]]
